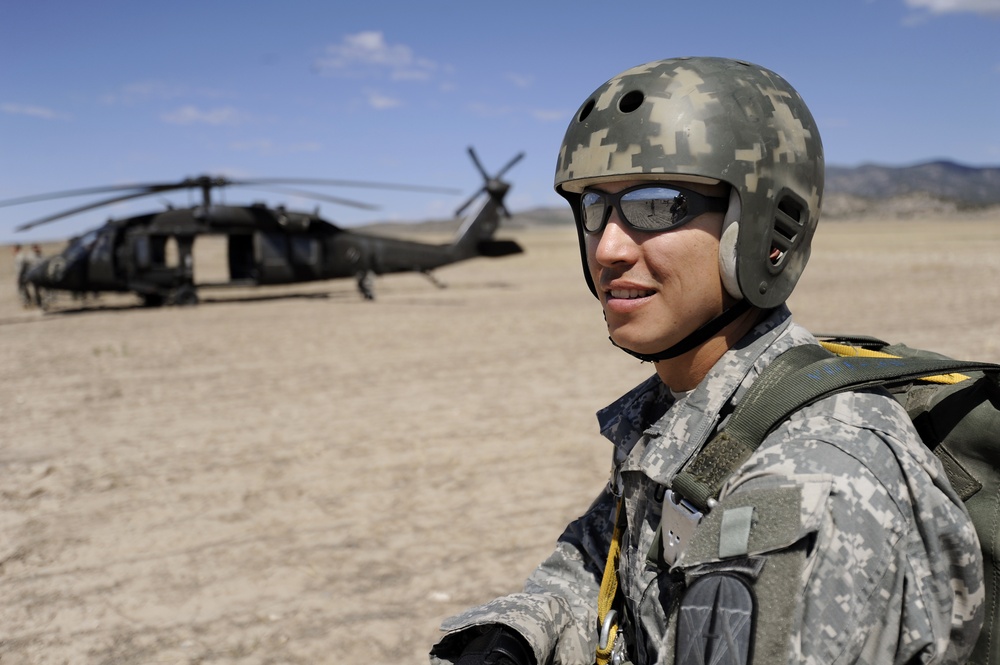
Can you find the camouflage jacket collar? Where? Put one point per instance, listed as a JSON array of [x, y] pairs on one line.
[[656, 434]]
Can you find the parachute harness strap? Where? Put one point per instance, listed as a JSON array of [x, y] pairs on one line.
[[849, 351], [606, 617]]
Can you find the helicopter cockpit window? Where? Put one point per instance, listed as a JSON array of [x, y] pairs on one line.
[[86, 240], [140, 245], [103, 247], [305, 250], [81, 245]]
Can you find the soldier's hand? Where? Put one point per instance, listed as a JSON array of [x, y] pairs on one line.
[[498, 645]]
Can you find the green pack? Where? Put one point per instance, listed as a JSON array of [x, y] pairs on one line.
[[954, 405]]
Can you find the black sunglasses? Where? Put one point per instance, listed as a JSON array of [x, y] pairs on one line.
[[647, 207]]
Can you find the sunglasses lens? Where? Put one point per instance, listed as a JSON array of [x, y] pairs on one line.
[[654, 208], [592, 211]]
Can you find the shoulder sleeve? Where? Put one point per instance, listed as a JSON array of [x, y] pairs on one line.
[[861, 557], [557, 610]]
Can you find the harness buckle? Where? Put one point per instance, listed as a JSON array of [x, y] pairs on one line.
[[677, 525]]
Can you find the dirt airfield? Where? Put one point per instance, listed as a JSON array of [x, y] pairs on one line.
[[298, 476]]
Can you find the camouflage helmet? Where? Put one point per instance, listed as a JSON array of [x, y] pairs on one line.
[[709, 120]]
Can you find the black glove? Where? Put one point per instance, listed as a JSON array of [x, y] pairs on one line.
[[497, 645]]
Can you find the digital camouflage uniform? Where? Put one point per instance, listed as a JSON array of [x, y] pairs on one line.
[[23, 263], [857, 548], [859, 551]]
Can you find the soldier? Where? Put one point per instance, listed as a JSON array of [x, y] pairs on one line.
[[23, 262], [40, 296], [696, 186]]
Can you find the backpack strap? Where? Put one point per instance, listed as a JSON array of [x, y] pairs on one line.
[[806, 375]]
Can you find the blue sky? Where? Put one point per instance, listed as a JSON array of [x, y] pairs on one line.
[[107, 92]]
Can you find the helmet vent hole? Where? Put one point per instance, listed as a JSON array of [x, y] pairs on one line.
[[787, 226], [630, 101], [585, 111], [791, 209]]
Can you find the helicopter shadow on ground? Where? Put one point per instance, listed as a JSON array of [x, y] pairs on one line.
[[396, 297], [113, 307]]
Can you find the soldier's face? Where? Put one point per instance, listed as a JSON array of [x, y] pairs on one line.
[[657, 288]]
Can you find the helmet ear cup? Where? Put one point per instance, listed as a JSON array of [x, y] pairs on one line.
[[728, 256]]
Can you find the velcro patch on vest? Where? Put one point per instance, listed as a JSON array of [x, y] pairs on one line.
[[757, 521]]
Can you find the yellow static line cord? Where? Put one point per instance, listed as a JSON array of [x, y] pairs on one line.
[[609, 588], [848, 351]]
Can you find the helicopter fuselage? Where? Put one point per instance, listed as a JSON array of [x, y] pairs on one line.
[[153, 254]]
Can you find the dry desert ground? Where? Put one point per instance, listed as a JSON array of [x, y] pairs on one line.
[[298, 476]]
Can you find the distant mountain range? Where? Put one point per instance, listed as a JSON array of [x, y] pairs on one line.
[[937, 187], [964, 185]]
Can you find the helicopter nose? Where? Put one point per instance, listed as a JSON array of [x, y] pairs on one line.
[[37, 275], [47, 272]]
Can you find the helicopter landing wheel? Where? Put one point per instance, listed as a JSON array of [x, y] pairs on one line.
[[184, 296], [153, 300]]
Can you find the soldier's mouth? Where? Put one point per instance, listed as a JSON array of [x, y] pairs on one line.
[[630, 294]]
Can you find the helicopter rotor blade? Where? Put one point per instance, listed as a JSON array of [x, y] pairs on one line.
[[475, 160], [518, 157], [344, 183], [73, 192], [90, 206], [150, 188], [206, 184], [215, 182], [469, 201], [320, 197]]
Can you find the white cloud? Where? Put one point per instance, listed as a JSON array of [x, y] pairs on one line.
[[192, 115], [381, 102], [549, 116], [488, 110], [141, 91], [368, 54], [305, 146], [519, 80], [269, 147], [952, 6], [485, 110], [33, 111]]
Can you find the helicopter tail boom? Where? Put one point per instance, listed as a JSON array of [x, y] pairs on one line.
[[497, 248], [475, 238]]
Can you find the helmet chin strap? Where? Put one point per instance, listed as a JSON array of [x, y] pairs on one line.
[[695, 339], [727, 269]]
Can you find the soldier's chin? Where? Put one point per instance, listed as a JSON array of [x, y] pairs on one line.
[[635, 343], [644, 344]]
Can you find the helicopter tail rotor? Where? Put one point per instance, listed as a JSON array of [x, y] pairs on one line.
[[493, 185]]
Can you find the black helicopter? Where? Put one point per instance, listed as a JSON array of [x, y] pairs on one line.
[[152, 255]]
